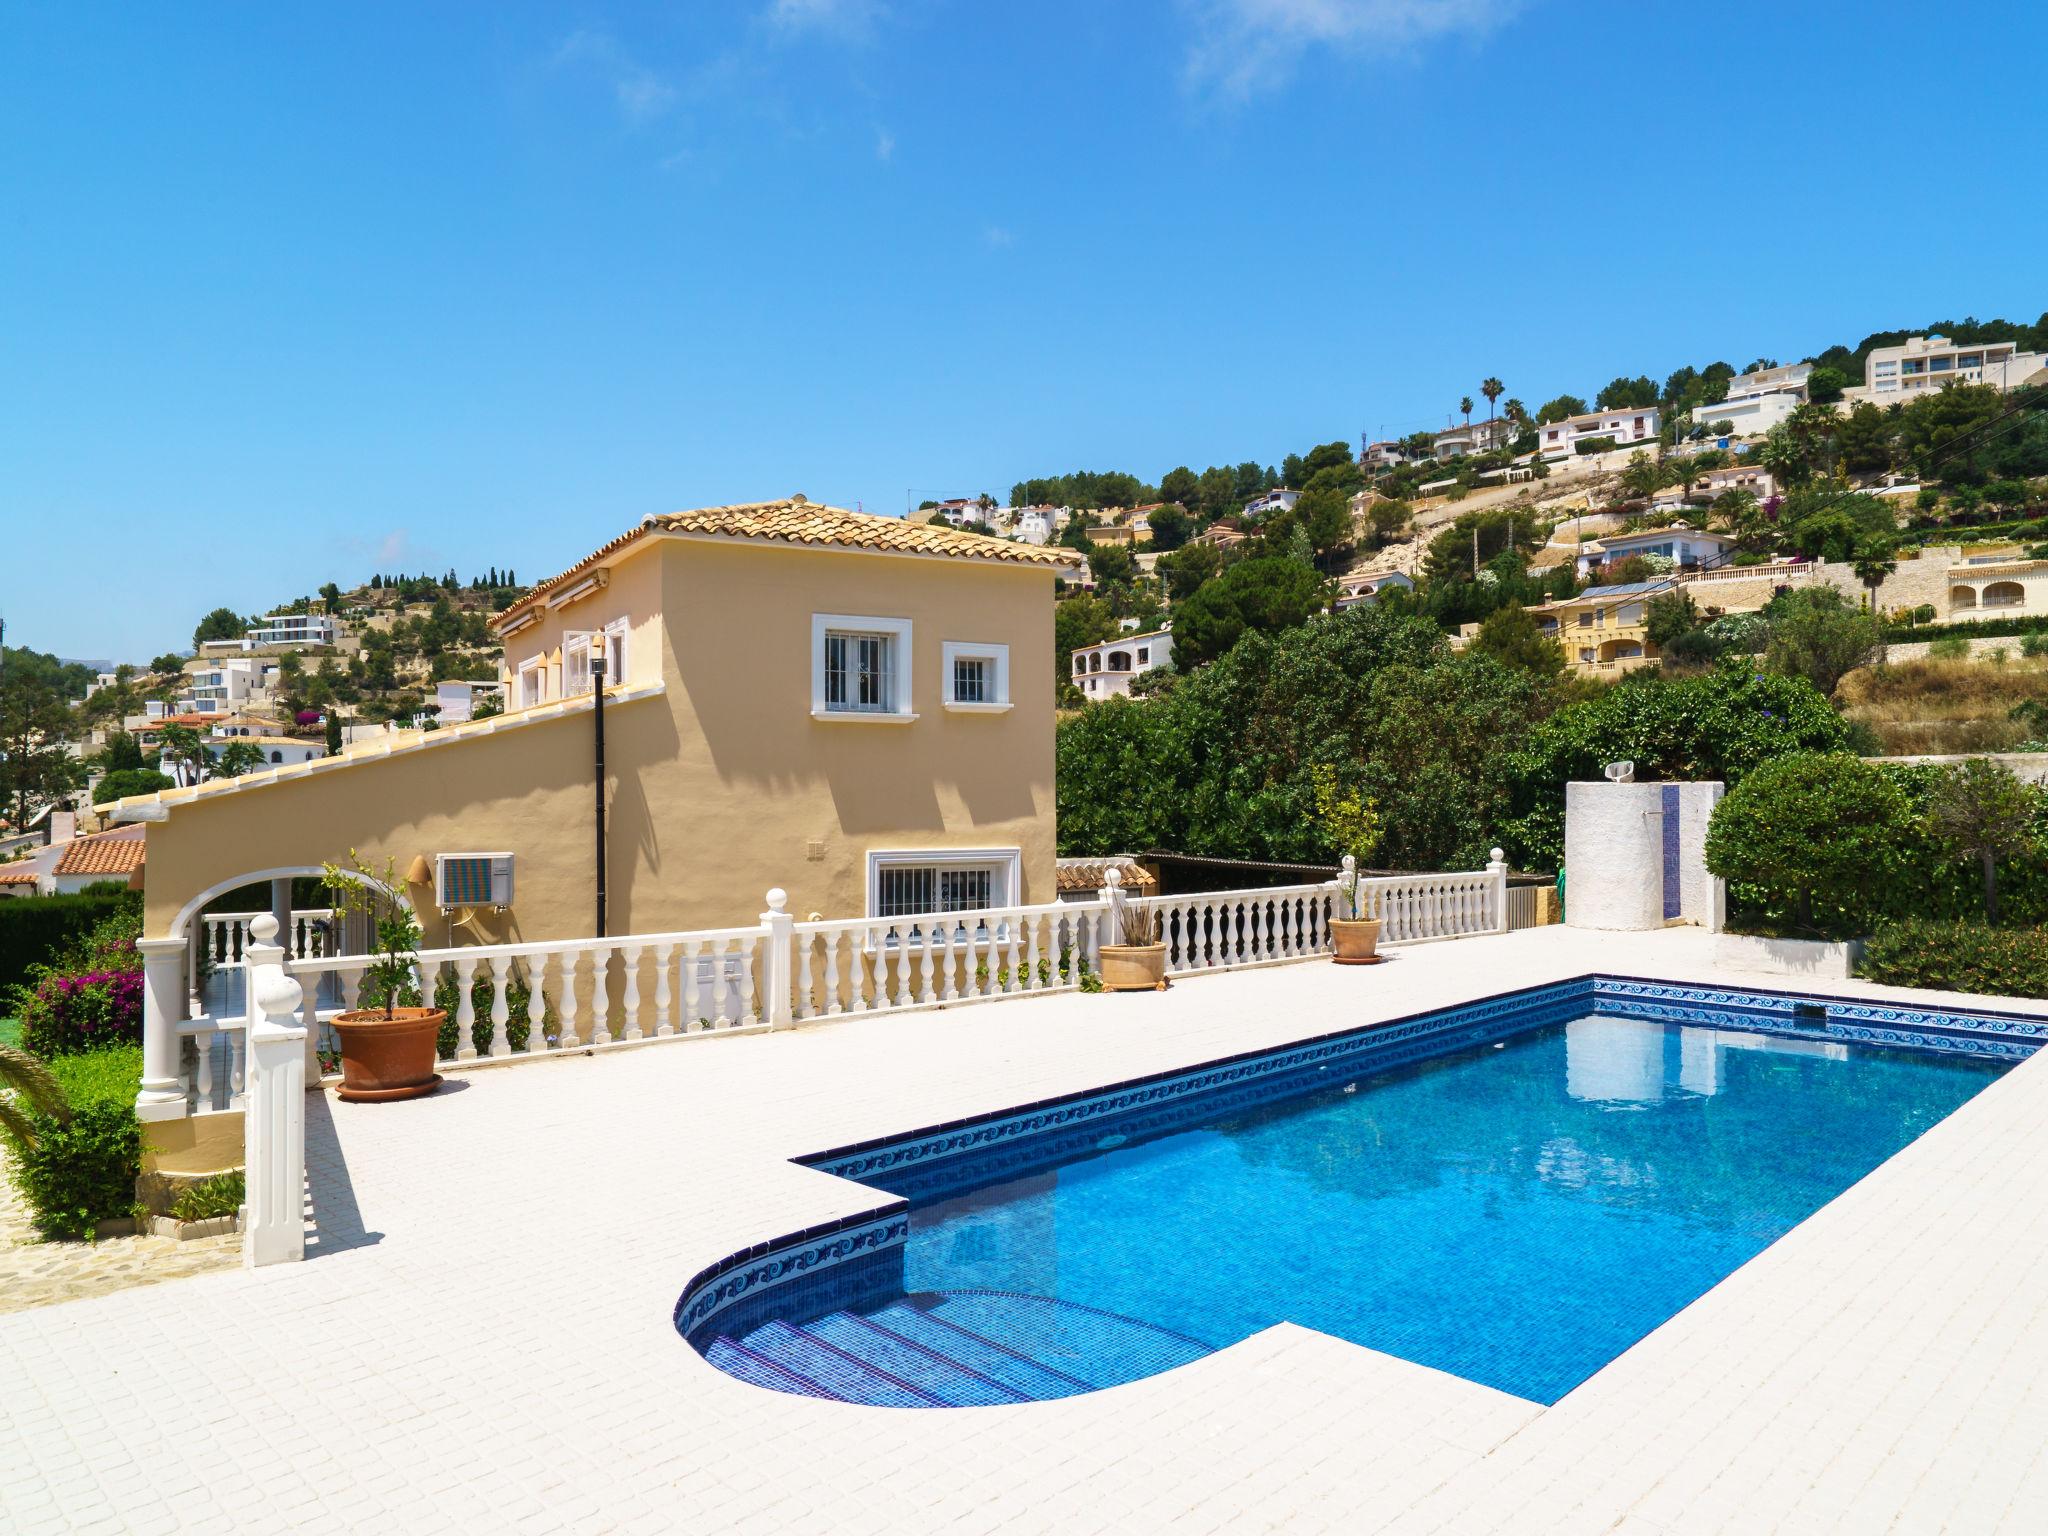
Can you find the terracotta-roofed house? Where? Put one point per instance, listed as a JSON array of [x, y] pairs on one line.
[[118, 855], [856, 709]]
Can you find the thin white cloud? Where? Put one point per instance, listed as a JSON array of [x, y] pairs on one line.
[[393, 547], [997, 238], [1243, 46], [640, 93], [822, 15], [885, 144]]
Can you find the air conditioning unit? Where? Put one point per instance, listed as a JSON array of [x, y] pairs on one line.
[[472, 880]]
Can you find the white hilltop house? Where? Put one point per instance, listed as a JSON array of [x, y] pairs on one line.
[[1105, 671], [1919, 363], [1629, 426], [1364, 589]]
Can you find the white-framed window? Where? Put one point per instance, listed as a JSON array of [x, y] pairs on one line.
[[930, 882], [860, 668], [615, 636], [977, 676], [533, 682], [575, 663]]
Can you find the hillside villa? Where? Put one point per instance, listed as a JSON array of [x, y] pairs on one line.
[[1626, 427], [853, 708], [1603, 630], [1682, 545], [1105, 671]]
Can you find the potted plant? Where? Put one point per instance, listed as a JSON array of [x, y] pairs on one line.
[[388, 1047], [1138, 964], [1352, 822]]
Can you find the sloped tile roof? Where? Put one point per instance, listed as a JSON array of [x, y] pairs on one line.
[[797, 521], [1087, 874], [119, 852]]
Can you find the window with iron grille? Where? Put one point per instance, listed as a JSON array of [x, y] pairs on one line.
[[971, 680], [913, 890], [860, 673]]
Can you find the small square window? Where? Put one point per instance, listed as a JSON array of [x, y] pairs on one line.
[[977, 677]]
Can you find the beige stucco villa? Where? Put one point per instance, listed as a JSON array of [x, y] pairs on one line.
[[854, 708]]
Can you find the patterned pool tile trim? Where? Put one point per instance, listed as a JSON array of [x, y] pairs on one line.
[[737, 1278]]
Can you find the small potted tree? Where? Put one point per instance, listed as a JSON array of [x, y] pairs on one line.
[[1137, 963], [1352, 822], [387, 1046]]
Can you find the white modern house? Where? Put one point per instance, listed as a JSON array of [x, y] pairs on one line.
[[458, 701], [1385, 454], [1482, 436], [1629, 426], [1364, 590], [1105, 671], [1681, 545], [294, 629], [1921, 363], [1281, 500], [1037, 525], [219, 688], [1787, 380], [1746, 415]]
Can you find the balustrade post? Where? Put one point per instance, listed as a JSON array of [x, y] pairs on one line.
[[1497, 873], [164, 1003], [778, 932], [274, 1114]]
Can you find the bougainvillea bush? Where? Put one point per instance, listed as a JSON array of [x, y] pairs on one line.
[[63, 1013]]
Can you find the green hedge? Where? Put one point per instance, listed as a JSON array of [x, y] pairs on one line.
[[78, 1172], [1973, 629], [1959, 957], [34, 929]]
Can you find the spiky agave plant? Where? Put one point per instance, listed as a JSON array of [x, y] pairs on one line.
[[27, 1089]]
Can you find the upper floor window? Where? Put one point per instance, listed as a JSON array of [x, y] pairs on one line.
[[860, 668], [533, 683], [977, 676], [575, 663]]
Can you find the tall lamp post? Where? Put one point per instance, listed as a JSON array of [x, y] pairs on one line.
[[597, 681]]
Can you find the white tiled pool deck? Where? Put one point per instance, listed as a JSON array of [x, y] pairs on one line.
[[483, 1339]]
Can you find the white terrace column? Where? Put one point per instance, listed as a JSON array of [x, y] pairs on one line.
[[162, 1096]]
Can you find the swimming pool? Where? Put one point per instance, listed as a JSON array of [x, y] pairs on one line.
[[1514, 1192]]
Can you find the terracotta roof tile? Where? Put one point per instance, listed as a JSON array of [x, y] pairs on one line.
[[1086, 874], [797, 521], [108, 853], [18, 877]]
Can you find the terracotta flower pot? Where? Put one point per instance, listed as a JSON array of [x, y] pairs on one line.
[[388, 1058], [1133, 967], [1357, 940]]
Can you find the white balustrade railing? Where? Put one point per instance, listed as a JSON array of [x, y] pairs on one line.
[[869, 965], [534, 999], [224, 936], [1219, 930]]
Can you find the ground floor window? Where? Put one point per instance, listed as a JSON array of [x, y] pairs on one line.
[[940, 881]]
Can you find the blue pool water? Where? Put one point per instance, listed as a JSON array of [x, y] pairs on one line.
[[1517, 1212]]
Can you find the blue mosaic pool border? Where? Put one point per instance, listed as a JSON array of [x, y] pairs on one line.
[[984, 1148]]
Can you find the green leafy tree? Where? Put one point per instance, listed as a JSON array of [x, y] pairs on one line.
[[1864, 440], [182, 748], [1187, 568], [1171, 528], [330, 596], [1824, 386], [1818, 634], [1713, 725], [1511, 636], [1981, 812], [332, 726], [1112, 563], [1641, 476], [1264, 594], [1325, 516], [1389, 520], [1179, 484], [1668, 616], [1563, 407], [1820, 835], [123, 782], [168, 662], [221, 624], [121, 752], [1627, 394], [36, 725]]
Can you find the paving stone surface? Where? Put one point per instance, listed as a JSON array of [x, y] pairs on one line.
[[481, 1338], [39, 1274]]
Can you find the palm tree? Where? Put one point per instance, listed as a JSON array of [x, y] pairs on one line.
[[27, 1088], [1516, 413], [1465, 405], [1492, 389], [1874, 560]]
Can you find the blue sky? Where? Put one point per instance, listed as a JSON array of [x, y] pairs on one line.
[[297, 293]]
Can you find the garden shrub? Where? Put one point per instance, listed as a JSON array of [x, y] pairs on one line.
[[1812, 843], [64, 1013], [221, 1195], [77, 1170], [36, 930], [448, 995], [1959, 957], [1948, 648]]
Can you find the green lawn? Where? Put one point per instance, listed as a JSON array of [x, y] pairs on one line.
[[10, 1032]]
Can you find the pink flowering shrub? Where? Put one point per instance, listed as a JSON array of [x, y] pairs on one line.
[[64, 1013]]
